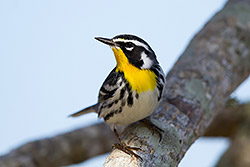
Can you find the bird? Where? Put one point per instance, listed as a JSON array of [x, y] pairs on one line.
[[133, 89]]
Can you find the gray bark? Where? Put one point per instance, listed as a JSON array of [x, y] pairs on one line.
[[234, 122], [64, 149], [229, 121]]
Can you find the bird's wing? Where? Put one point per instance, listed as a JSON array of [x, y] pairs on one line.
[[110, 92], [108, 95], [110, 86]]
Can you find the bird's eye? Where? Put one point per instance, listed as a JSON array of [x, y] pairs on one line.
[[129, 46]]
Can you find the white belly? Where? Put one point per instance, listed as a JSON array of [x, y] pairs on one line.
[[141, 108]]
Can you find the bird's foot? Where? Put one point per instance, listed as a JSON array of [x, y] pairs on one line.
[[127, 149]]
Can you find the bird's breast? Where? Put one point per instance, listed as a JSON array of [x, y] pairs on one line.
[[140, 80]]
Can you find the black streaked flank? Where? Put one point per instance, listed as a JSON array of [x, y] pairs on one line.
[[104, 90], [111, 114], [130, 99], [123, 103], [159, 79], [118, 111], [136, 95], [110, 105], [160, 88], [109, 94], [155, 70], [122, 92]]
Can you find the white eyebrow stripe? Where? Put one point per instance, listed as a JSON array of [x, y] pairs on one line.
[[137, 43]]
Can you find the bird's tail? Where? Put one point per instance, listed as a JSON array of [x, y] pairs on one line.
[[87, 110]]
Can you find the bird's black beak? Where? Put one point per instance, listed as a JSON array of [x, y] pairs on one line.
[[106, 41]]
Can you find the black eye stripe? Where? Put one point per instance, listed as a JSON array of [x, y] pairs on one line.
[[126, 44], [129, 44]]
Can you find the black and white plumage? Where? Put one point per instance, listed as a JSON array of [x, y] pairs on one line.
[[134, 87]]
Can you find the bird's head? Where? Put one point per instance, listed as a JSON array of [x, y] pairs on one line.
[[131, 49]]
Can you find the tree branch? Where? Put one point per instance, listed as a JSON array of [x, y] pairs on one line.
[[214, 64], [238, 152], [61, 150], [228, 122]]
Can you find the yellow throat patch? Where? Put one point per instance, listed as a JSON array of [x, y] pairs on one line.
[[139, 79]]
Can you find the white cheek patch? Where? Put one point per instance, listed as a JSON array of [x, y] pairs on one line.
[[147, 62]]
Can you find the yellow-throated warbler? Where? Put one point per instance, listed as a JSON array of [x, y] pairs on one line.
[[133, 88]]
